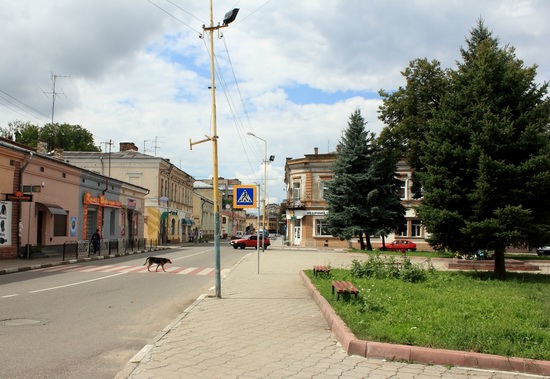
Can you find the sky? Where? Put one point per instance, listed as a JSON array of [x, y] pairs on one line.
[[289, 72]]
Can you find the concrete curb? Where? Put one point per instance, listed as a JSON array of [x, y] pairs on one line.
[[136, 360], [368, 349], [143, 353]]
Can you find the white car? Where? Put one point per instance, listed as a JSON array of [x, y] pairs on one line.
[[544, 250]]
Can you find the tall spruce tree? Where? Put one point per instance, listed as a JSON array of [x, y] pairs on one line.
[[363, 195], [487, 155]]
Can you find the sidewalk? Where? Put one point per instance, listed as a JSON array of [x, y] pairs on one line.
[[267, 325]]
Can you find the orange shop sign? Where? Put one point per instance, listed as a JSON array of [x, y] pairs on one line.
[[101, 201]]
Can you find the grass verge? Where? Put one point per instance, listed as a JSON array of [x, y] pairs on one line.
[[449, 310]]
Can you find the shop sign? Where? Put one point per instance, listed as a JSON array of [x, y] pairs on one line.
[[101, 201], [18, 196]]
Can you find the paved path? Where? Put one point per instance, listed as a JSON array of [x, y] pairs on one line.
[[267, 326]]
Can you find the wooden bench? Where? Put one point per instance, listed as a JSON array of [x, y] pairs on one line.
[[343, 287], [319, 269]]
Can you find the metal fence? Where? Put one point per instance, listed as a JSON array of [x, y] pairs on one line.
[[84, 248]]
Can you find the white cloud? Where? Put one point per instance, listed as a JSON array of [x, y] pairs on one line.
[[129, 71]]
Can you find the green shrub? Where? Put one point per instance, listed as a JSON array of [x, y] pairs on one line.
[[387, 267]]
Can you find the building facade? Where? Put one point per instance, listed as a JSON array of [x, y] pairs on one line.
[[169, 203], [48, 202], [305, 208]]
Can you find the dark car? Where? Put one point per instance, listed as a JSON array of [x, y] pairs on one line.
[[543, 250], [400, 245], [249, 241]]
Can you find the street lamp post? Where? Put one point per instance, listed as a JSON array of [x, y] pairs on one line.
[[265, 186], [229, 18]]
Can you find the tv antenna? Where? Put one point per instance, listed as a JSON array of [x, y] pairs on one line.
[[54, 93]]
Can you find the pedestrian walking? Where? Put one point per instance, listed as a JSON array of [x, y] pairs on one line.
[[95, 241]]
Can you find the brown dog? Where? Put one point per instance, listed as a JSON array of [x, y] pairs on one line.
[[158, 261]]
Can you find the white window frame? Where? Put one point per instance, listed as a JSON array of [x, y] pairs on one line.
[[318, 227], [416, 228], [296, 190]]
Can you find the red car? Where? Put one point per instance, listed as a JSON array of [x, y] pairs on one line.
[[249, 241], [400, 245]]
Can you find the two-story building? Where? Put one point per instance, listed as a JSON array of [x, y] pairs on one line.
[[305, 207]]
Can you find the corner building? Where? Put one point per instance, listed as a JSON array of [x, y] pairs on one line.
[[305, 208]]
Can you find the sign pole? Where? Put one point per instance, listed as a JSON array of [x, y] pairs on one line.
[[258, 235]]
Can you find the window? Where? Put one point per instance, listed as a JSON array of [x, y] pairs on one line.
[[402, 187], [173, 227], [112, 223], [59, 225], [321, 227], [296, 191], [416, 228], [405, 231], [322, 189]]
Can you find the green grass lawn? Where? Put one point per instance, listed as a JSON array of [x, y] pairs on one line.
[[450, 310]]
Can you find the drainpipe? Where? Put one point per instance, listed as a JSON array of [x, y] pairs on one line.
[[23, 168]]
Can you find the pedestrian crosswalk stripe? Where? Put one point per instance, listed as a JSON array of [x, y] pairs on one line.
[[198, 271]]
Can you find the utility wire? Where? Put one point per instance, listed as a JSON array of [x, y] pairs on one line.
[[20, 108], [174, 17]]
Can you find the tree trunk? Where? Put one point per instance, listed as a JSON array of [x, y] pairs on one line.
[[361, 241], [369, 245], [500, 265], [383, 243]]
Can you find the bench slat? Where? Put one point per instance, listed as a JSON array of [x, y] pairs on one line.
[[343, 287], [318, 269]]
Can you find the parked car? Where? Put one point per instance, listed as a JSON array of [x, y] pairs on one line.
[[543, 250], [249, 241], [400, 245], [238, 234]]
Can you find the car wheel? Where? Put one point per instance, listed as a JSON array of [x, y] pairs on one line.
[[235, 247], [266, 246], [242, 246]]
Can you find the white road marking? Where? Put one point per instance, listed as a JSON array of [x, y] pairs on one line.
[[6, 296], [78, 283]]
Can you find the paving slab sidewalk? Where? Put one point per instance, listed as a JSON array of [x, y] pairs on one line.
[[266, 325]]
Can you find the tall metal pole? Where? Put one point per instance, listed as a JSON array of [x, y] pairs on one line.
[[258, 239], [264, 196], [215, 160], [229, 18]]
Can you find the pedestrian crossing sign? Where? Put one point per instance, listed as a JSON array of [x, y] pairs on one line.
[[244, 196]]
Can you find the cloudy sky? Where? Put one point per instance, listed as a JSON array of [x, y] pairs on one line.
[[290, 72]]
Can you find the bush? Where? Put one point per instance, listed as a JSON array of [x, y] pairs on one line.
[[379, 267]]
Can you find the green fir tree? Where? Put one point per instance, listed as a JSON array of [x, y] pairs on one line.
[[486, 183], [363, 195]]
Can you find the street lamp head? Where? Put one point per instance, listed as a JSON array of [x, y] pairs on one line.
[[230, 16]]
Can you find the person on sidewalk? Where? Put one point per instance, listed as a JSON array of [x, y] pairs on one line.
[[95, 241]]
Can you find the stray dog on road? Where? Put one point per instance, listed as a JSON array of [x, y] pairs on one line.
[[158, 261]]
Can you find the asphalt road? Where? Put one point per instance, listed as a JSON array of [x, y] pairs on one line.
[[87, 320]]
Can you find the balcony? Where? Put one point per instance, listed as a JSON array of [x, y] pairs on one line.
[[292, 204]]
